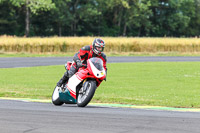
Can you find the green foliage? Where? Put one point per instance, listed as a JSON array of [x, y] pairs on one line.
[[43, 5], [102, 17], [8, 19], [34, 5]]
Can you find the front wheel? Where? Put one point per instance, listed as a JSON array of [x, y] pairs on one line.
[[86, 93], [55, 97]]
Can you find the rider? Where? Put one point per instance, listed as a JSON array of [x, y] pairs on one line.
[[80, 59]]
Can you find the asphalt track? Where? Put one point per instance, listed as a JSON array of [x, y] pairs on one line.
[[11, 62], [34, 117], [30, 117]]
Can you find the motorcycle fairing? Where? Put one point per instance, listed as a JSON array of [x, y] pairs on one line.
[[73, 82], [95, 72], [69, 95], [66, 97]]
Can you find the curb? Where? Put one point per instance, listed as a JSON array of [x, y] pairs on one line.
[[114, 105], [148, 107]]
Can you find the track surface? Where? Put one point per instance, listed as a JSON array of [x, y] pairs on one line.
[[29, 117], [11, 62]]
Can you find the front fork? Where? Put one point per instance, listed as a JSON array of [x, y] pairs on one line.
[[82, 89]]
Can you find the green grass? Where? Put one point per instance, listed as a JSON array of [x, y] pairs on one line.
[[174, 84]]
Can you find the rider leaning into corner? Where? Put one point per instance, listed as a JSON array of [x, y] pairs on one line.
[[80, 59]]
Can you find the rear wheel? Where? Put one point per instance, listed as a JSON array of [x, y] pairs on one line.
[[86, 93], [55, 97]]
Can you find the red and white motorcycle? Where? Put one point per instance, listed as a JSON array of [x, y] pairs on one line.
[[81, 87]]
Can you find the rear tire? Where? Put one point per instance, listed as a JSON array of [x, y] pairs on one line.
[[55, 97], [85, 97]]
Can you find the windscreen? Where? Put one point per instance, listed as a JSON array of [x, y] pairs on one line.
[[97, 62]]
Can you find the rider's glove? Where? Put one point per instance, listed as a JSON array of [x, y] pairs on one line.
[[79, 63]]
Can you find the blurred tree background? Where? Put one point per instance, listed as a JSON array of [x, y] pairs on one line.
[[141, 18]]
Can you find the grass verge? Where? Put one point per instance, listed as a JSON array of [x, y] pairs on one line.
[[173, 84]]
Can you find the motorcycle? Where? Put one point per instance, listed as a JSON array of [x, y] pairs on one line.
[[81, 87]]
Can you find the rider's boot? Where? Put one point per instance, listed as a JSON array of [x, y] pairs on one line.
[[63, 80]]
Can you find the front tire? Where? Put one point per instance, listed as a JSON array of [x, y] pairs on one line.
[[55, 97], [86, 93]]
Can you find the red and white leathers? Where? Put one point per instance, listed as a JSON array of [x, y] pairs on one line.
[[84, 54]]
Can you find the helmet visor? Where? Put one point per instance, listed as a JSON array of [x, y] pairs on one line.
[[100, 49]]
